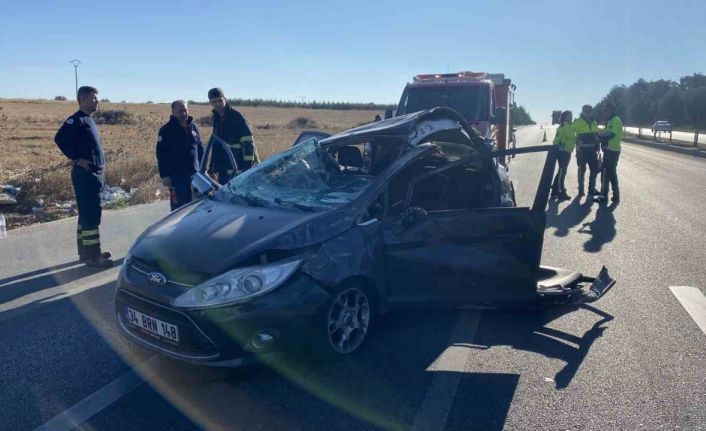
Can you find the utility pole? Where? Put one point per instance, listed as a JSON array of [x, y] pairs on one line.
[[76, 63]]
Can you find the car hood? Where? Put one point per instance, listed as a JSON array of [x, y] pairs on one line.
[[211, 237]]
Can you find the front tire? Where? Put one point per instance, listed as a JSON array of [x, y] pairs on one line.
[[346, 321]]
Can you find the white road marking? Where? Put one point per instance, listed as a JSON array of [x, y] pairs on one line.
[[694, 301], [435, 408], [99, 400]]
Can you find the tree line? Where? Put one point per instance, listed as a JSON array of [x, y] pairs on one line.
[[642, 103], [314, 104], [520, 116]]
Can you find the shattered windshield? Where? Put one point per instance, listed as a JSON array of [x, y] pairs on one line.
[[306, 178]]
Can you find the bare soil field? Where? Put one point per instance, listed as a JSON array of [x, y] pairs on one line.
[[30, 159]]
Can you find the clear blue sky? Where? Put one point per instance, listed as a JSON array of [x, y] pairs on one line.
[[560, 54]]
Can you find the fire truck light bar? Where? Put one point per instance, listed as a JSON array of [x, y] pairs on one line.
[[460, 76]]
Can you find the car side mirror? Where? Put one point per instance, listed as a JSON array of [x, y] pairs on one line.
[[203, 184], [500, 114], [413, 216], [388, 114]]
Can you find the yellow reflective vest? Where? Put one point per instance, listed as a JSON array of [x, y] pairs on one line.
[[565, 137], [614, 126], [582, 126]]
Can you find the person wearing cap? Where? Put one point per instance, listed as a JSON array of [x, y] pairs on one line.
[[179, 151], [230, 126], [565, 141], [610, 141], [587, 149], [79, 139]]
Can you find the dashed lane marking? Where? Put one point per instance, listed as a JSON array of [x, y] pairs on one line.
[[694, 301], [438, 401], [99, 400]]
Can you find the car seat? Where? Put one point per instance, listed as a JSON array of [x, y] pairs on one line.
[[350, 158]]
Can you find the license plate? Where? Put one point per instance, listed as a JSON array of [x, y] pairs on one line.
[[152, 325]]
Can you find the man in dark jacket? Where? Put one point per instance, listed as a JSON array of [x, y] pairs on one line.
[[79, 140], [231, 127], [179, 151]]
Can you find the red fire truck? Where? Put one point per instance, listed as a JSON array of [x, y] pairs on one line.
[[482, 99]]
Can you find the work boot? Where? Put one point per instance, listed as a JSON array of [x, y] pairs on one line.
[[84, 258], [593, 192], [616, 198], [600, 198], [563, 196], [581, 193], [100, 261]]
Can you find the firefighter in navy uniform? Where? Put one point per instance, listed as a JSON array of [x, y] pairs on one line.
[[587, 146], [79, 140], [179, 151], [231, 127]]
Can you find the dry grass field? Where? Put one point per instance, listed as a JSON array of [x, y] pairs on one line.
[[31, 160]]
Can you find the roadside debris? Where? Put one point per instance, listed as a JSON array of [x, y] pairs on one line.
[[115, 196], [8, 194]]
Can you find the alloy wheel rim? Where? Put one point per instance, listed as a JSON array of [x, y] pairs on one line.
[[348, 320]]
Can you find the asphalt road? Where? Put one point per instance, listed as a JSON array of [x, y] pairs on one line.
[[634, 360], [682, 136]]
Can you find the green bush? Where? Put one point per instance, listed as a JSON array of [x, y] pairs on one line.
[[114, 117], [302, 123]]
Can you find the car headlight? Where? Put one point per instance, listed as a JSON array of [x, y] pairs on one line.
[[239, 285]]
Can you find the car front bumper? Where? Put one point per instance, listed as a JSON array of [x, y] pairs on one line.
[[229, 335]]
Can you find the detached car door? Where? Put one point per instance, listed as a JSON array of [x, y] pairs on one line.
[[444, 250]]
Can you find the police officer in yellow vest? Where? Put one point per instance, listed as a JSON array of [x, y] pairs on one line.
[[587, 149], [610, 139], [565, 140]]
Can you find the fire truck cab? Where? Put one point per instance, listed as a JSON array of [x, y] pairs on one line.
[[484, 100]]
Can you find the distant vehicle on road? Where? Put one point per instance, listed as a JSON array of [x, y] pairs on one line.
[[661, 126]]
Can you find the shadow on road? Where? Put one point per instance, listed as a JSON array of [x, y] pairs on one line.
[[602, 228], [37, 272], [19, 285], [380, 387], [529, 332], [570, 216], [383, 385]]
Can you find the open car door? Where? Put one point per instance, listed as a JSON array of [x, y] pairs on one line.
[[201, 182], [440, 253]]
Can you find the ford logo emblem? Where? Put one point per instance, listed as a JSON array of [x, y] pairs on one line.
[[156, 278]]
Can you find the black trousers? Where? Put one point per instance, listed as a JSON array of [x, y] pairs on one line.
[[609, 174], [562, 160], [180, 192], [587, 156], [87, 188]]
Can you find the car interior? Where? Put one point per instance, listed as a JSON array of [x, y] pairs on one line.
[[464, 186]]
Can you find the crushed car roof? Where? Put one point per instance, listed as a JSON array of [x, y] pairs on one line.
[[403, 125]]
